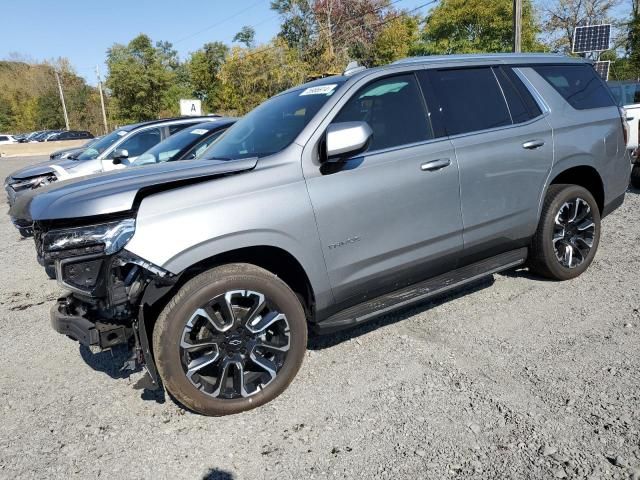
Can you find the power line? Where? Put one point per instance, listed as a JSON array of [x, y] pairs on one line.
[[219, 23]]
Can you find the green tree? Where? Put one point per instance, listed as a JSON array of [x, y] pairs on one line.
[[396, 40], [204, 67], [250, 76], [139, 77], [246, 36], [477, 26]]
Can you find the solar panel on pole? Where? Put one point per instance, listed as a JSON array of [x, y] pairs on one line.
[[603, 69], [592, 38]]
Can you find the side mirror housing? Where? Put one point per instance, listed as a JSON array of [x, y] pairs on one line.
[[346, 138], [119, 154]]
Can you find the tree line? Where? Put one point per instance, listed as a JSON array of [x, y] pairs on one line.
[[146, 79]]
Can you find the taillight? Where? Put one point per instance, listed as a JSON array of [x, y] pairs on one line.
[[625, 125]]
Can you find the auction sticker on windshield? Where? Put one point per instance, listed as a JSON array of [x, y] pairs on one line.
[[320, 90], [199, 131]]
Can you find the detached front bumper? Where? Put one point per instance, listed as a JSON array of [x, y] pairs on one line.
[[67, 320]]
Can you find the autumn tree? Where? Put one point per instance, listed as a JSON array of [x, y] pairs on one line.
[[204, 67], [250, 76]]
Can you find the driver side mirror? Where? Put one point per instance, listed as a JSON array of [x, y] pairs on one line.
[[119, 154], [346, 139]]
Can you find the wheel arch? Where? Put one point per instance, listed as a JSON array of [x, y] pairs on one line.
[[585, 176]]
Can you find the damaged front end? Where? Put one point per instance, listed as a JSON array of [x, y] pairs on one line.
[[104, 305]]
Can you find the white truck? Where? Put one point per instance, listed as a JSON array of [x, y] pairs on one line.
[[627, 94]]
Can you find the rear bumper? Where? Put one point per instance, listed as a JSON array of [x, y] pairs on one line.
[[86, 331]]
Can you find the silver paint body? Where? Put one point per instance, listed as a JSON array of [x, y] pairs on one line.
[[389, 219]]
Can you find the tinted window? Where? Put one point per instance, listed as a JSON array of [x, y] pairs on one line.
[[393, 108], [177, 127], [3, 139], [101, 145], [522, 105], [274, 124], [471, 99], [141, 142], [580, 85]]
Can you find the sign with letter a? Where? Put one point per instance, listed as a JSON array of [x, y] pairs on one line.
[[190, 108]]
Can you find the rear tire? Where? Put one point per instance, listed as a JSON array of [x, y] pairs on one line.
[[635, 176], [568, 233], [232, 339]]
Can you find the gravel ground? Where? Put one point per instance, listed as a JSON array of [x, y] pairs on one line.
[[513, 378]]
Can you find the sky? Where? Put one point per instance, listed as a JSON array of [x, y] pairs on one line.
[[83, 30]]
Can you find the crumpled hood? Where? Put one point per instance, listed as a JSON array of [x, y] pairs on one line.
[[40, 169], [115, 192]]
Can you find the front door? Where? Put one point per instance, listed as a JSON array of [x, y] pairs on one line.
[[391, 215]]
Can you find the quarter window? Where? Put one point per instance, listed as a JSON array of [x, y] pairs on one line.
[[580, 85], [394, 109], [471, 99], [521, 103]]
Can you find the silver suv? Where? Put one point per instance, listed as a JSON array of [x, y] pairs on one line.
[[328, 205]]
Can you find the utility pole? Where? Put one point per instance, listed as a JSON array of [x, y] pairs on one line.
[[517, 26], [64, 106], [104, 113]]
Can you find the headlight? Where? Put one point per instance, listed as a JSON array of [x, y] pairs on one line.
[[107, 238], [32, 182]]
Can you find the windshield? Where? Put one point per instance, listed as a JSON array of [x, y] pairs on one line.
[[272, 126], [101, 145], [167, 150]]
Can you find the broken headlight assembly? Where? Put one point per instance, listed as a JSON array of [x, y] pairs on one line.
[[80, 252], [32, 183]]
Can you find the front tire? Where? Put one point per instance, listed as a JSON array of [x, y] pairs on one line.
[[232, 339], [568, 234]]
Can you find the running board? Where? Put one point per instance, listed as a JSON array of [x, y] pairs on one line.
[[421, 291]]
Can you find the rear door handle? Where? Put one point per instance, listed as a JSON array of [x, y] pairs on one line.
[[533, 144], [435, 165]]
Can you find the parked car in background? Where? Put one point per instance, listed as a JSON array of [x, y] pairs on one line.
[[6, 139], [122, 145], [185, 145], [328, 205], [627, 94], [72, 152], [43, 135], [69, 135], [26, 138]]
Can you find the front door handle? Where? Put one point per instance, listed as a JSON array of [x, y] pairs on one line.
[[533, 144], [435, 164]]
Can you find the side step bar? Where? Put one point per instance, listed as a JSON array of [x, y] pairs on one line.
[[421, 291]]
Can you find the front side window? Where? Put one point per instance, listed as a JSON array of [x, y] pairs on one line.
[[579, 84], [141, 142], [393, 108], [101, 145], [471, 99], [274, 124]]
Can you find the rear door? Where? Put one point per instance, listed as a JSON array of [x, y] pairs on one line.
[[504, 148], [389, 216]]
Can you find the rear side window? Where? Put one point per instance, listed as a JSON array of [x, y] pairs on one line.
[[580, 85], [394, 109], [471, 99], [522, 105]]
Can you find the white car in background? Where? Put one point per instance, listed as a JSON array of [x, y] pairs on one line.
[[627, 94], [7, 139]]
